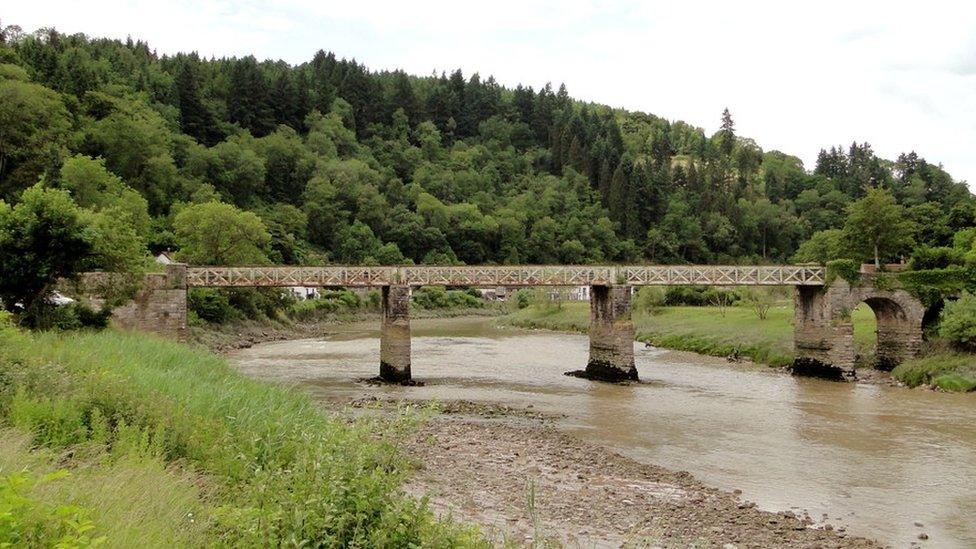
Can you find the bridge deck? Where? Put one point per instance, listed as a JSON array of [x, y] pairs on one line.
[[552, 275]]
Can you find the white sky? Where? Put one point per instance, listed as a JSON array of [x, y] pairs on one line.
[[900, 75]]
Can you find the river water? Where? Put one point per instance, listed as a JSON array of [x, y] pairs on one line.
[[875, 459]]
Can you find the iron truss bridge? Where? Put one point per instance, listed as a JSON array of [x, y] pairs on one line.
[[509, 276]]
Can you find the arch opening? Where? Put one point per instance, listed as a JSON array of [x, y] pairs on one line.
[[895, 333]]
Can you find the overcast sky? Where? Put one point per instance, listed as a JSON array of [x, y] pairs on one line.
[[900, 75]]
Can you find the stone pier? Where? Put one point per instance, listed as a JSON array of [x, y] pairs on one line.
[[395, 335], [611, 335]]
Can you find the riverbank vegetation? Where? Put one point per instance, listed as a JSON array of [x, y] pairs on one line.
[[123, 439]]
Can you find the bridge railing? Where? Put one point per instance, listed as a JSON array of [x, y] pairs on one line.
[[512, 276]]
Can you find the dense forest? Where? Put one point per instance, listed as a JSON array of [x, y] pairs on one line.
[[246, 161]]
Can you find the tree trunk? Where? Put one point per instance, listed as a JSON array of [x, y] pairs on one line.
[[877, 258]]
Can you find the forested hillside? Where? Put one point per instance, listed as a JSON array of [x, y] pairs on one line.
[[248, 161]]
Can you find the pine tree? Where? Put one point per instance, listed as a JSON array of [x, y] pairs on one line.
[[727, 134], [284, 101], [195, 119], [403, 97], [248, 103]]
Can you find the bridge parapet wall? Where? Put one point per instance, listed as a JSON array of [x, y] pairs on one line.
[[511, 276]]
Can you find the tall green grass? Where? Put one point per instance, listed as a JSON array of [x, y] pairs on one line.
[[251, 464]]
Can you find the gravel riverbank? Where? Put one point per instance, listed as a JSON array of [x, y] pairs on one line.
[[527, 483]]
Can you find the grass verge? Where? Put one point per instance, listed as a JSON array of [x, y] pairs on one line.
[[164, 445]]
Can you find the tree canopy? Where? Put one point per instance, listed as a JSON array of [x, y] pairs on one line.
[[242, 160]]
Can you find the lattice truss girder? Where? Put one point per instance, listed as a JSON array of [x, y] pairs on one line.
[[554, 275]]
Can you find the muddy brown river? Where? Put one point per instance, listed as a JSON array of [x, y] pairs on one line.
[[874, 459]]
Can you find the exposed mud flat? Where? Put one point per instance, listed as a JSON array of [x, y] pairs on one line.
[[525, 482]]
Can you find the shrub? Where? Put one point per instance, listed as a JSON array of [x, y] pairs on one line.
[[210, 305], [27, 522], [329, 302], [848, 269], [72, 316], [926, 257], [958, 322], [696, 296], [437, 297], [648, 299]]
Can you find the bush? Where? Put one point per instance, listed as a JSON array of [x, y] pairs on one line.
[[958, 322], [697, 296], [648, 299], [328, 303], [437, 297], [210, 305], [926, 257], [72, 316], [848, 269]]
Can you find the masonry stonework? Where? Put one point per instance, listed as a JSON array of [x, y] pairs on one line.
[[158, 306], [395, 334], [823, 330], [611, 334]]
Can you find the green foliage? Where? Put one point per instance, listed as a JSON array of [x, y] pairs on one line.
[[211, 305], [42, 238], [649, 299], [932, 286], [343, 164], [279, 471], [941, 257], [877, 226], [27, 522], [957, 323], [696, 296], [437, 297], [328, 303], [822, 247], [847, 269], [947, 371], [220, 234], [35, 123]]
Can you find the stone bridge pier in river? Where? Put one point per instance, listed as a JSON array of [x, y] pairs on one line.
[[823, 331]]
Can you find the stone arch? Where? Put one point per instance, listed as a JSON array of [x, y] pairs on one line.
[[823, 330], [899, 318]]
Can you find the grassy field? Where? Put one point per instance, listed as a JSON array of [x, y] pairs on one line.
[[126, 440], [706, 330]]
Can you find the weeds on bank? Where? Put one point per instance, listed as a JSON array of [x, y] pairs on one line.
[[249, 463]]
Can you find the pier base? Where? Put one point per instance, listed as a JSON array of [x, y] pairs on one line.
[[611, 335], [395, 335]]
